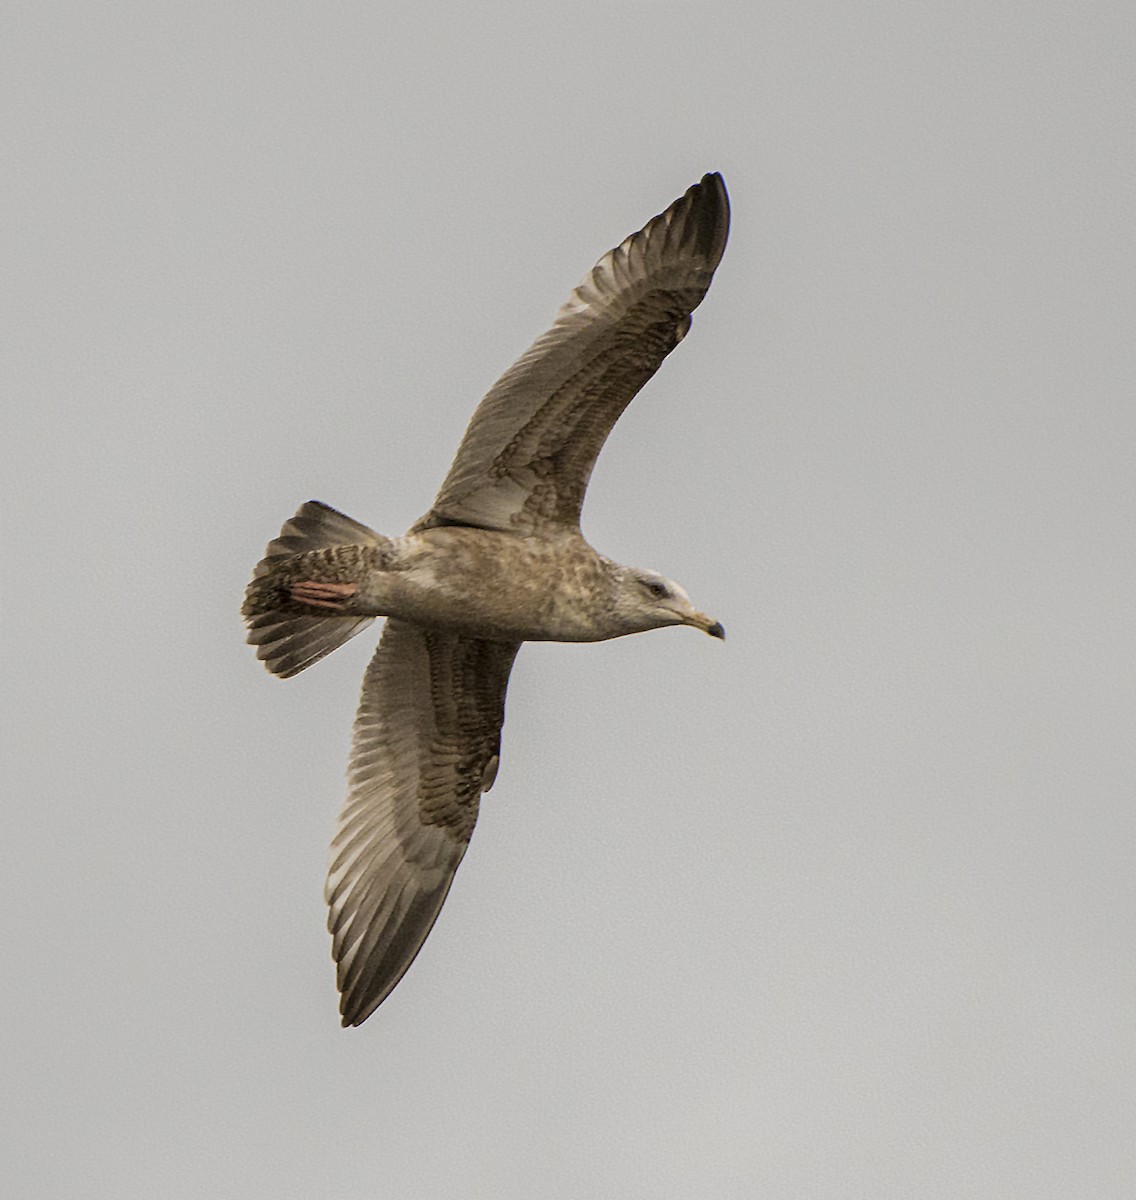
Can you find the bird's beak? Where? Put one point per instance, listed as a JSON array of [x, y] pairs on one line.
[[699, 620]]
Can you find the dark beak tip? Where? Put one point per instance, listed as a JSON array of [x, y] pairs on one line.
[[717, 631]]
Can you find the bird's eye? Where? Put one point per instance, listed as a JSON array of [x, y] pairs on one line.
[[657, 589]]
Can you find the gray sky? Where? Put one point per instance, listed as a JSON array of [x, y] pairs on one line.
[[840, 908]]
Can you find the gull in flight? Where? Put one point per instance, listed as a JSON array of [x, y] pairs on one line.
[[498, 560]]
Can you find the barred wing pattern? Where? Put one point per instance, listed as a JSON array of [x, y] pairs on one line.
[[526, 458], [427, 742]]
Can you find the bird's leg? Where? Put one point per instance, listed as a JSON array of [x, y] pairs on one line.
[[332, 596]]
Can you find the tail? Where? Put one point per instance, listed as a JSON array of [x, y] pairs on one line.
[[287, 636]]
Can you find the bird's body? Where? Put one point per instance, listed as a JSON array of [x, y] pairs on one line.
[[498, 560], [472, 581]]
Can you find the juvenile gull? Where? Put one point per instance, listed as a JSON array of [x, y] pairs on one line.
[[497, 561]]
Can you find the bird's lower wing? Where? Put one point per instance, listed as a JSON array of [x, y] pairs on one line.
[[427, 741]]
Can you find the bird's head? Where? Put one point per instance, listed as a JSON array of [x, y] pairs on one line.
[[647, 600]]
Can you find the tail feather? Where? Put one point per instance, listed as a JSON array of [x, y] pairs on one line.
[[315, 526], [287, 644], [287, 638]]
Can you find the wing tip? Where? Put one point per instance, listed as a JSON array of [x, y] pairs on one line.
[[708, 216], [692, 230], [352, 1016]]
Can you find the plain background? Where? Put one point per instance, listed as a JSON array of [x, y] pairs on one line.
[[841, 908]]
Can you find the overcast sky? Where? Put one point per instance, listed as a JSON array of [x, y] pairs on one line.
[[842, 907]]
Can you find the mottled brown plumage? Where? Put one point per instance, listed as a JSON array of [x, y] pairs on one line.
[[499, 559]]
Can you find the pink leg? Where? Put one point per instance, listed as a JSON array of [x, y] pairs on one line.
[[323, 595]]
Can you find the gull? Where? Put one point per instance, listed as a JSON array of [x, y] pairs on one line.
[[498, 560]]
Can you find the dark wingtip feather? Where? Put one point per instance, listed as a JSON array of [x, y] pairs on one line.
[[708, 216], [375, 968]]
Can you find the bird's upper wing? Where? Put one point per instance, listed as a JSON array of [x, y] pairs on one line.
[[427, 740], [526, 457]]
